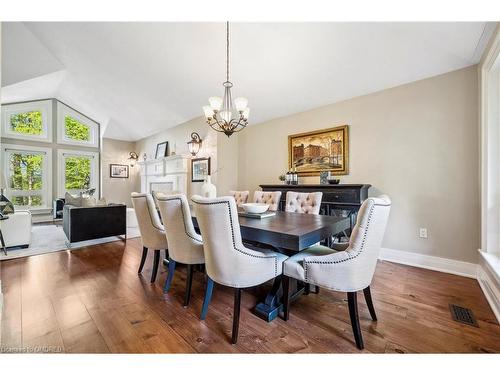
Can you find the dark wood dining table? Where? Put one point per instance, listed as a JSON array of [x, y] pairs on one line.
[[287, 233]]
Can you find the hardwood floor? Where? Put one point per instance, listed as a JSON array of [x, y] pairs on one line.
[[92, 300]]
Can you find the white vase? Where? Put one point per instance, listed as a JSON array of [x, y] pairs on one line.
[[208, 190]]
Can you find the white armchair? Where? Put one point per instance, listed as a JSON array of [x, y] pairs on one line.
[[16, 229], [348, 271], [152, 231], [184, 244], [272, 198], [227, 260]]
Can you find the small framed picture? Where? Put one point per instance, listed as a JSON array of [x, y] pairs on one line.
[[161, 150], [200, 168], [118, 171]]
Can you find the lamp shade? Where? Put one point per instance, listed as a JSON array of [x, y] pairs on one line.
[[246, 113], [215, 102], [209, 112], [240, 104], [194, 144]]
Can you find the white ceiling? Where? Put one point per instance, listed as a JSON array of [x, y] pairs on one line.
[[141, 78]]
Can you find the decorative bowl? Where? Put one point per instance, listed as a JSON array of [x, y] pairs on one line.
[[255, 208], [333, 181]]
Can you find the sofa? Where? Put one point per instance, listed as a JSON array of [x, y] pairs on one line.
[[16, 230], [89, 223]]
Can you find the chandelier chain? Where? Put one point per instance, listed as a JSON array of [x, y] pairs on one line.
[[227, 50]]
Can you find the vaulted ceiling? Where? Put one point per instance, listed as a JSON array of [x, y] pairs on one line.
[[140, 78]]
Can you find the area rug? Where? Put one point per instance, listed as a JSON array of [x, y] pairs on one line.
[[49, 238]]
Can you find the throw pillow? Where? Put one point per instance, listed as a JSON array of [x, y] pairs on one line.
[[72, 200], [88, 202], [101, 202]]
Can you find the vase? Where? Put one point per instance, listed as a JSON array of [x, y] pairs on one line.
[[208, 190]]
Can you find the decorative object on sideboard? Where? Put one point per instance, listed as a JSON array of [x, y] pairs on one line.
[[200, 169], [208, 190], [161, 150], [282, 178], [144, 157], [322, 150], [291, 177], [133, 157], [222, 114], [323, 177], [118, 171], [6, 206], [194, 144]]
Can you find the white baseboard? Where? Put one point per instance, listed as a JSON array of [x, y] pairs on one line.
[[489, 280], [455, 267]]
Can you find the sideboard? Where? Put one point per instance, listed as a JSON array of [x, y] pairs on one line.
[[338, 200]]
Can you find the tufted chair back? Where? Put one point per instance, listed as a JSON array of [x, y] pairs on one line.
[[152, 231], [184, 244], [353, 269], [272, 198], [304, 203], [240, 196], [227, 260]]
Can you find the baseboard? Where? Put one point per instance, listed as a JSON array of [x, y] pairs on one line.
[[455, 267], [489, 280]]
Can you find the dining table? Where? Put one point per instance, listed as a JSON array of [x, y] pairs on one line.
[[288, 233]]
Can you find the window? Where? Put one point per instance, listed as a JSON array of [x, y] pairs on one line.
[[78, 171], [30, 121], [75, 129], [28, 176]]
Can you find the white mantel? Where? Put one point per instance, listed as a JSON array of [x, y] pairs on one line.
[[166, 174]]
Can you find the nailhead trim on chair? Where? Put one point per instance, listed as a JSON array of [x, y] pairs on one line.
[[232, 235], [183, 217], [147, 205], [349, 258]]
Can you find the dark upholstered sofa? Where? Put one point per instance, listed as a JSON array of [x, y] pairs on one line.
[[89, 223]]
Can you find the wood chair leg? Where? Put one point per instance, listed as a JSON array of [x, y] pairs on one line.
[[369, 303], [170, 276], [143, 259], [166, 253], [286, 297], [307, 289], [352, 301], [208, 297], [236, 315], [189, 282], [156, 262]]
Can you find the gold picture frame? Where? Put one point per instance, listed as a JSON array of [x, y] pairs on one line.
[[325, 150]]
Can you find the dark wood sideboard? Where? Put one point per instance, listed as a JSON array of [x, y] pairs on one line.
[[338, 200]]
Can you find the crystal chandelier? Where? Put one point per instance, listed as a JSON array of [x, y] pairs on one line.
[[224, 115]]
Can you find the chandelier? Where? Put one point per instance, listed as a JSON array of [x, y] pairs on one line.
[[224, 115]]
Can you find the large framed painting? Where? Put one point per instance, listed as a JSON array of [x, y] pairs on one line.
[[200, 169], [319, 151]]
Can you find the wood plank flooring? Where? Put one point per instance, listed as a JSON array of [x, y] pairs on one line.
[[92, 300]]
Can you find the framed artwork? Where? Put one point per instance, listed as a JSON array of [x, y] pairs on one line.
[[161, 150], [118, 171], [200, 168], [319, 151]]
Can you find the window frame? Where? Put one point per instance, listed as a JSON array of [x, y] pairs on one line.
[[62, 111], [47, 171], [44, 106], [61, 175]]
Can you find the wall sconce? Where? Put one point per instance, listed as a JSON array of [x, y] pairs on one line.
[[133, 158], [194, 144]]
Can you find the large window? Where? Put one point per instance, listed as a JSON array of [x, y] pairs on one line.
[[79, 171], [28, 176], [75, 129], [30, 121]]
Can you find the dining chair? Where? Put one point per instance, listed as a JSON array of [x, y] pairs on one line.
[[240, 196], [304, 203], [228, 262], [272, 198], [185, 246], [151, 228], [348, 270]]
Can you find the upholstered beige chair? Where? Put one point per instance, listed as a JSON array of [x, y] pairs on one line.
[[184, 244], [227, 260], [304, 203], [240, 196], [152, 231], [350, 270], [272, 198]]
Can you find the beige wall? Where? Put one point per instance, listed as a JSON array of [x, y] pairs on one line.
[[418, 143], [117, 190]]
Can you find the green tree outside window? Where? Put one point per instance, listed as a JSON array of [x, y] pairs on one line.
[[27, 123], [26, 174], [76, 130], [77, 173]]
